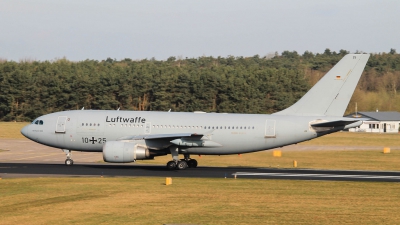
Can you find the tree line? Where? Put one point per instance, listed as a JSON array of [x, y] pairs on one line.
[[231, 84]]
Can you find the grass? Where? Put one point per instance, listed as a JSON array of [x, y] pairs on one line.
[[195, 201], [107, 200], [356, 139], [11, 130]]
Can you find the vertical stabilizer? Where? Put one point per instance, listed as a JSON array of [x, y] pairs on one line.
[[331, 95]]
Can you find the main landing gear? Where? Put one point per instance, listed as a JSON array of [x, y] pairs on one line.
[[180, 164], [68, 161]]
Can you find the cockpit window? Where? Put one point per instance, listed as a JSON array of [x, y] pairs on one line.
[[38, 122]]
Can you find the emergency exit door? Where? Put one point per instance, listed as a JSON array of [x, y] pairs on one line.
[[270, 129]]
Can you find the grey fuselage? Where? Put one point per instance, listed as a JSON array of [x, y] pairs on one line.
[[88, 130]]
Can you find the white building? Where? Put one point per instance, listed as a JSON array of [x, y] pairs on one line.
[[377, 122]]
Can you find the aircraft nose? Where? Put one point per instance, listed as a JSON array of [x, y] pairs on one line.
[[25, 131]]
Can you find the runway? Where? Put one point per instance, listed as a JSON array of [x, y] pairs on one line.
[[17, 169]]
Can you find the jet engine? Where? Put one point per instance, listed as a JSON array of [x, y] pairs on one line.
[[124, 152]]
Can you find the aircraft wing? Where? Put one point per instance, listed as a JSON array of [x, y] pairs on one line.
[[162, 136], [179, 139]]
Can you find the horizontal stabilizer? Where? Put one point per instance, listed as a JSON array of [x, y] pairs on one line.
[[338, 123], [335, 125]]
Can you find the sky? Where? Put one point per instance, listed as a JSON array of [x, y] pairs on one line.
[[98, 29]]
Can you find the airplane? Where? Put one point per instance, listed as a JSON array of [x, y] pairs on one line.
[[126, 136]]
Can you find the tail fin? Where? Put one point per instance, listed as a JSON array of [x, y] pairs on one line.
[[331, 95]]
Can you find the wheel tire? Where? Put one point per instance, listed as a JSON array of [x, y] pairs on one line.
[[192, 163], [182, 165], [69, 162], [171, 165]]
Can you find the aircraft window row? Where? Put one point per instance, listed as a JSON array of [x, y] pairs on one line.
[[205, 127], [38, 122], [90, 124], [190, 127]]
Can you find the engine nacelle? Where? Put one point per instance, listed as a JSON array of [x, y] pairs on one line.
[[124, 152]]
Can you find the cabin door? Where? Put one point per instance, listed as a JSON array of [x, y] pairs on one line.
[[60, 126], [270, 129]]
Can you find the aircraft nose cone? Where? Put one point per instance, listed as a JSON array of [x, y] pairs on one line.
[[25, 131]]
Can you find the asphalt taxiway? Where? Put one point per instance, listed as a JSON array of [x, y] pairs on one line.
[[19, 169], [24, 158]]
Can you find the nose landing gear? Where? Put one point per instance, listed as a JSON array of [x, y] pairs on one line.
[[68, 161]]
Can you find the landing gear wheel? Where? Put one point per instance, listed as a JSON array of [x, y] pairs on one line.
[[182, 165], [192, 163], [69, 162], [171, 165]]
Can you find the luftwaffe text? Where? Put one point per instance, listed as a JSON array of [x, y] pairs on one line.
[[125, 120]]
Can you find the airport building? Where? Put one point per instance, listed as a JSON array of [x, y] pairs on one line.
[[377, 122]]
